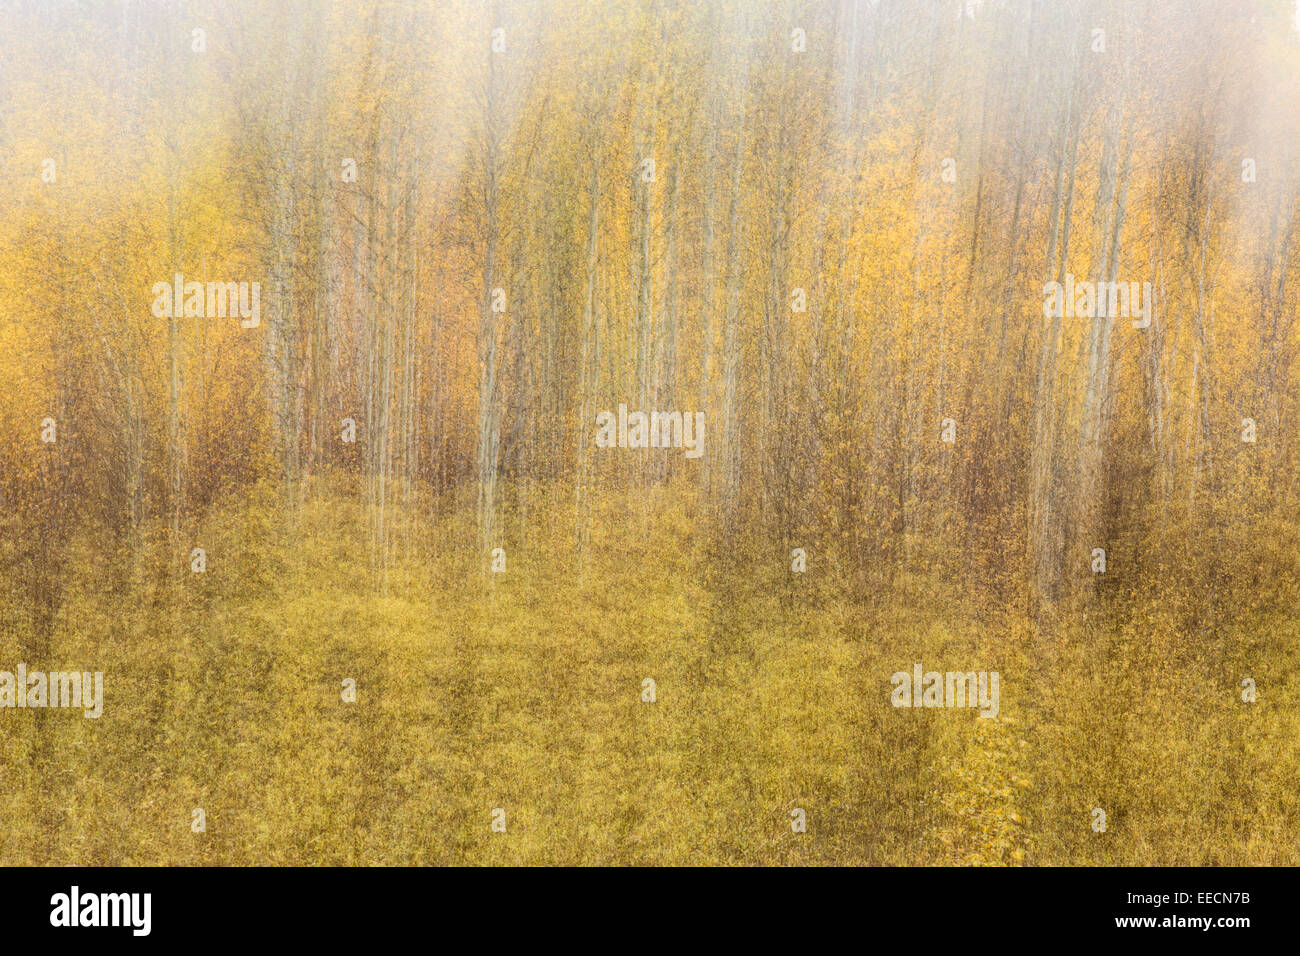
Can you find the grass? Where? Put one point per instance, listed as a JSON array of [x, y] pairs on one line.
[[525, 693]]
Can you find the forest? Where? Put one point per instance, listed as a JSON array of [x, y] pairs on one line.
[[536, 431]]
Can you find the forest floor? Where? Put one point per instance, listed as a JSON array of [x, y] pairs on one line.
[[524, 690]]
